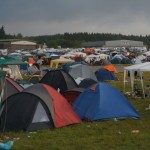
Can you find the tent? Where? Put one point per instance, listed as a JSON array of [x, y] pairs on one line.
[[66, 66], [142, 67], [10, 61], [2, 84], [111, 67], [105, 75], [79, 79], [59, 79], [145, 68], [103, 101], [37, 107], [87, 82], [71, 95], [83, 71], [105, 62], [120, 59], [13, 64], [91, 56], [56, 62], [15, 72], [11, 87]]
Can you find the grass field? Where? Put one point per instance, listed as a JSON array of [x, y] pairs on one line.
[[127, 134]]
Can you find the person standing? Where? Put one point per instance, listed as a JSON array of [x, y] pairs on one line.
[[40, 60], [31, 61]]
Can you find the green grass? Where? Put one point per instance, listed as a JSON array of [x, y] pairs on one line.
[[98, 135]]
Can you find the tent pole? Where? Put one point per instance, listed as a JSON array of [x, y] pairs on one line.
[[124, 81], [132, 80], [142, 83]]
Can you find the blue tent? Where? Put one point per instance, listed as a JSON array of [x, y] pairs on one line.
[[104, 75], [103, 101]]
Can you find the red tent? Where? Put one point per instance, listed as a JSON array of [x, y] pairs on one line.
[[37, 107], [89, 51], [63, 112], [71, 95]]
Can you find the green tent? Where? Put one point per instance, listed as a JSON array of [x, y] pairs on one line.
[[11, 61]]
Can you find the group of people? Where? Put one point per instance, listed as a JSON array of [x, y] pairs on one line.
[[31, 61]]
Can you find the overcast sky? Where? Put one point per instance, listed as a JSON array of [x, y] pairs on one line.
[[48, 17]]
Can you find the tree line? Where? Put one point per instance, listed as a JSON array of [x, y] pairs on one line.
[[3, 34], [74, 40]]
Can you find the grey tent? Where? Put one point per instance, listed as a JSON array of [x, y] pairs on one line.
[[11, 87], [37, 107], [83, 71]]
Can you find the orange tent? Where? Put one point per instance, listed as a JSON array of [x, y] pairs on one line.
[[111, 68], [31, 61]]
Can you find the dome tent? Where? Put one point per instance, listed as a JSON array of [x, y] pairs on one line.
[[83, 71], [11, 87], [85, 83], [105, 75], [59, 80], [102, 101], [37, 107], [71, 95], [68, 65]]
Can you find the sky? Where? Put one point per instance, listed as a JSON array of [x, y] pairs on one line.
[[49, 17]]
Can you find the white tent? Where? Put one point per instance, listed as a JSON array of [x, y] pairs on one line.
[[15, 72], [91, 56], [138, 67], [103, 56]]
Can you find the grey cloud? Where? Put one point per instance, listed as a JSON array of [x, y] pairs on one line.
[[52, 16]]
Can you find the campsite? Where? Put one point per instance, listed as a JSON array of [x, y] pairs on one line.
[[75, 104], [104, 134], [74, 75]]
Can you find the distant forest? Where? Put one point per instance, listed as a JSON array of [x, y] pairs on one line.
[[74, 40]]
